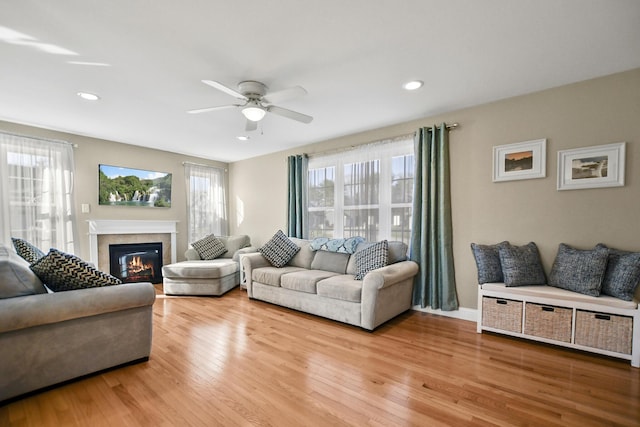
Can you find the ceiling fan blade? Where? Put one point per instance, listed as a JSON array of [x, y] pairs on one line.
[[282, 95], [225, 89], [289, 114], [219, 107], [251, 126]]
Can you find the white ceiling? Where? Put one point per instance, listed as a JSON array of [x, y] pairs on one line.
[[352, 56]]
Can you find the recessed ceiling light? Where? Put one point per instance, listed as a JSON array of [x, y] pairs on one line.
[[88, 96], [243, 138], [413, 85], [93, 64]]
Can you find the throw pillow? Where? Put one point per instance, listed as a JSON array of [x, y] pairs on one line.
[[488, 262], [17, 279], [343, 246], [579, 270], [279, 249], [521, 265], [209, 247], [65, 272], [26, 250], [371, 258], [622, 275]]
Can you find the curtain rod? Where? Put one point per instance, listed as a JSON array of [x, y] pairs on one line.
[[59, 141], [380, 141], [202, 164]]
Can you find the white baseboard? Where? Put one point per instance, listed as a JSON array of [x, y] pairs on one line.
[[469, 314]]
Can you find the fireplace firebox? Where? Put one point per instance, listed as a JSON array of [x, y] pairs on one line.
[[136, 262]]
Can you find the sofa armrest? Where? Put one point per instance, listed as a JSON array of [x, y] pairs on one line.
[[247, 250], [387, 292], [389, 275], [191, 254], [41, 309], [249, 262]]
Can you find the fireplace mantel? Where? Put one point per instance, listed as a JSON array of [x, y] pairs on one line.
[[116, 226]]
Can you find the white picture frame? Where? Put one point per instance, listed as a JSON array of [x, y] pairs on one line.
[[591, 167], [521, 160]]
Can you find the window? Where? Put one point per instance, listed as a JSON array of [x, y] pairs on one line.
[[36, 192], [366, 192], [206, 201]]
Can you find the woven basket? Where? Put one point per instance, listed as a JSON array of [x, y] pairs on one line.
[[502, 314], [604, 331], [548, 322]]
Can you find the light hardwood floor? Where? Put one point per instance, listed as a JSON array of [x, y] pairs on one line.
[[229, 361]]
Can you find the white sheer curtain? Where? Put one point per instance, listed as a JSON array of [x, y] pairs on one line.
[[206, 201], [36, 192]]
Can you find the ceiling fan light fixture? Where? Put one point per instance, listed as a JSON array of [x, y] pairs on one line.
[[254, 113]]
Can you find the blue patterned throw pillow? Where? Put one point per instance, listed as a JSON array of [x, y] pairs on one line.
[[488, 262], [26, 250], [371, 258], [521, 265], [209, 247], [279, 249], [65, 272], [622, 275], [579, 270], [343, 246]]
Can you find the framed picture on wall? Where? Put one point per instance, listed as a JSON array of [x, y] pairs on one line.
[[591, 167], [521, 160]]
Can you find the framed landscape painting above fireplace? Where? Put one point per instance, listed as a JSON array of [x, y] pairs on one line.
[[121, 186]]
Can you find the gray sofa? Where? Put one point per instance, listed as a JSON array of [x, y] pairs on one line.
[[49, 338], [323, 283], [215, 277]]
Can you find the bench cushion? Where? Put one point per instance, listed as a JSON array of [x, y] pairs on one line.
[[545, 291]]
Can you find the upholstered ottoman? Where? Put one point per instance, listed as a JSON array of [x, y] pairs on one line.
[[201, 277], [213, 276]]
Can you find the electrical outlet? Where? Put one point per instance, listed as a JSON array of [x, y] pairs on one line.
[[86, 208]]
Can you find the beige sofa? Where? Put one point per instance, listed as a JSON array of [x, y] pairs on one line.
[[214, 277], [49, 338], [323, 283]]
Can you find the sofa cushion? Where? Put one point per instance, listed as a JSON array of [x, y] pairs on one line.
[[330, 261], [488, 262], [622, 275], [65, 272], [344, 246], [579, 270], [305, 255], [342, 287], [272, 275], [209, 247], [200, 269], [234, 244], [26, 250], [371, 258], [521, 265], [305, 280], [279, 249], [16, 278]]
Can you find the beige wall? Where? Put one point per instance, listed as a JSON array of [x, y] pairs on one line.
[[91, 152], [595, 112]]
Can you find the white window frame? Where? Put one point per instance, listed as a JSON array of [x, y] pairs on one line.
[[384, 151]]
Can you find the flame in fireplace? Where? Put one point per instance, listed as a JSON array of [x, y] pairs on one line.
[[136, 267]]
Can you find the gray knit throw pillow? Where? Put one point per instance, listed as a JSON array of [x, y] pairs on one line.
[[521, 265], [579, 270]]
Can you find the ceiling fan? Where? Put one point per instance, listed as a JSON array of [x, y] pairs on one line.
[[257, 102]]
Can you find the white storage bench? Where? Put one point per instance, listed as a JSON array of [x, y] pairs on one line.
[[603, 324]]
